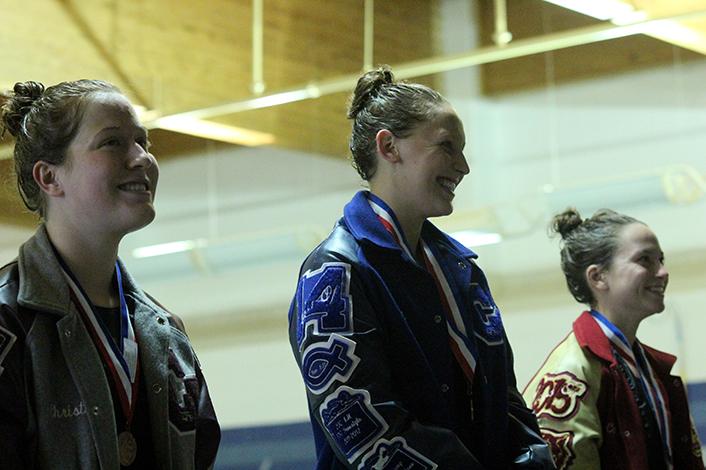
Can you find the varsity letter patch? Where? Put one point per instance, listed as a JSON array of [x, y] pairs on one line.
[[323, 363], [324, 300], [559, 395], [491, 326], [395, 455], [7, 339], [561, 444], [350, 418]]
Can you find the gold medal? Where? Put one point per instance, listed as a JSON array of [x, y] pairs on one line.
[[127, 448]]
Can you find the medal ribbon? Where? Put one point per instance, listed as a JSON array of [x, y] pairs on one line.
[[641, 369], [121, 359], [461, 346]]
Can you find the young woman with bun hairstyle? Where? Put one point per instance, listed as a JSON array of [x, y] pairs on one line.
[[400, 344], [603, 399], [94, 373]]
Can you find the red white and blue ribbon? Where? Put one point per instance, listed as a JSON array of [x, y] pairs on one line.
[[121, 359], [461, 346], [641, 369]]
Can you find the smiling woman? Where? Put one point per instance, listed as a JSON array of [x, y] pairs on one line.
[[400, 344], [603, 399], [94, 373]]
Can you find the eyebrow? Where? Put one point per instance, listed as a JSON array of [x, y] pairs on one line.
[[142, 129]]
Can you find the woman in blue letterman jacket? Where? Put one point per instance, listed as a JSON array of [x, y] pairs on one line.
[[94, 374], [400, 344]]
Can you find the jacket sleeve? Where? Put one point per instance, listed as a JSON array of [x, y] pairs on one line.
[[564, 396], [208, 431], [530, 450], [15, 444], [338, 340]]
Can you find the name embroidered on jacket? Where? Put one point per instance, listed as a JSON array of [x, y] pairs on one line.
[[67, 411]]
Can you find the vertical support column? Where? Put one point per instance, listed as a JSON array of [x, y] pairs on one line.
[[501, 36], [368, 31], [258, 83]]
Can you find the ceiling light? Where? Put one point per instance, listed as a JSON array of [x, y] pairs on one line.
[[213, 130], [475, 238], [621, 13], [166, 248]]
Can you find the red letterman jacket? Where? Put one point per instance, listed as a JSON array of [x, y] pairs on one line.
[[586, 411]]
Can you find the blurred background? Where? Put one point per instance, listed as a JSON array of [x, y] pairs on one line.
[[598, 103]]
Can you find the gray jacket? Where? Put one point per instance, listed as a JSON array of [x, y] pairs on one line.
[[56, 409]]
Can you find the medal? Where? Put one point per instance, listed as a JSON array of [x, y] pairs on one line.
[[127, 448]]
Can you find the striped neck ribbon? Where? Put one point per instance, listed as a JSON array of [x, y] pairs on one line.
[[464, 350], [120, 357], [642, 371]]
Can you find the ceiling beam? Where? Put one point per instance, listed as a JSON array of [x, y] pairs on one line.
[[438, 64]]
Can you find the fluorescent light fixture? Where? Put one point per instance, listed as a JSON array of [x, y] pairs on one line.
[[280, 98], [474, 238], [214, 131], [167, 248], [620, 13]]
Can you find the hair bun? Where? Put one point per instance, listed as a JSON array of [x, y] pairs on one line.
[[368, 86], [566, 222], [18, 103]]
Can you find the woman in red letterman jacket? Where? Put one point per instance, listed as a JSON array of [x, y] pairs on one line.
[[401, 347], [603, 399], [94, 373]]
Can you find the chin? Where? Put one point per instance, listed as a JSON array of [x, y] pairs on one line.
[[142, 221]]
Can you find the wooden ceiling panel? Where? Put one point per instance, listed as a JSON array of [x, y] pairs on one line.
[[533, 18]]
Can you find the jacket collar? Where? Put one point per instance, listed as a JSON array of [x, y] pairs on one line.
[[364, 225], [591, 337], [42, 283]]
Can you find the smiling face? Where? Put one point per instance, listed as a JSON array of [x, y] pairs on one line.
[[432, 165], [636, 280], [109, 178]]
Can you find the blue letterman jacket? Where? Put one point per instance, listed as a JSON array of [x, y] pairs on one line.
[[369, 334]]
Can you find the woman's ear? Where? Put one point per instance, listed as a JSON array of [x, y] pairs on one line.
[[595, 276], [45, 175], [385, 143]]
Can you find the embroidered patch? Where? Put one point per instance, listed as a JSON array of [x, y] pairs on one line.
[[324, 300], [323, 363], [7, 339], [350, 418], [183, 393], [561, 444], [395, 455], [491, 326], [559, 395]]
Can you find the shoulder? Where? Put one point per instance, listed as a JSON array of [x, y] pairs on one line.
[[9, 283], [340, 245], [570, 370]]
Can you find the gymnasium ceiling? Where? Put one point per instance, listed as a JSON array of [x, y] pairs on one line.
[[173, 58]]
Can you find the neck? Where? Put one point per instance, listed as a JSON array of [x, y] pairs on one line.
[[91, 259], [626, 325], [410, 223]]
